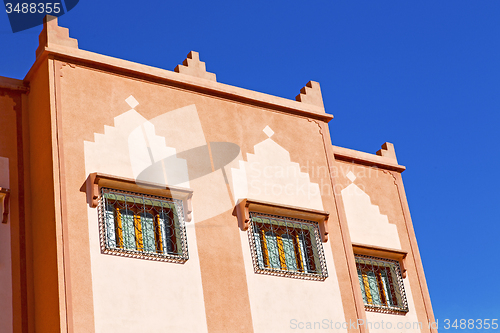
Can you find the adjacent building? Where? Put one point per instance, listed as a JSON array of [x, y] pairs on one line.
[[136, 199]]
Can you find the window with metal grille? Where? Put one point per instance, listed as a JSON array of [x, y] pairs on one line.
[[142, 226], [286, 247], [381, 284]]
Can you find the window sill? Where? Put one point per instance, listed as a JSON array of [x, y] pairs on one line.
[[244, 206], [97, 180]]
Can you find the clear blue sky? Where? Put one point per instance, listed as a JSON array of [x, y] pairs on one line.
[[424, 75]]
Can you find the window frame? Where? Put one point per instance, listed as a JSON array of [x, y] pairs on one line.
[[316, 220], [310, 252], [396, 302], [180, 197], [178, 235]]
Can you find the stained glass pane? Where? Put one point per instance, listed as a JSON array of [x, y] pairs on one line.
[[362, 285], [258, 245], [272, 250], [148, 232], [128, 229], [374, 291], [167, 232], [109, 219], [387, 287]]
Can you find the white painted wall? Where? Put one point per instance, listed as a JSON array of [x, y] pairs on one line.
[[6, 312]]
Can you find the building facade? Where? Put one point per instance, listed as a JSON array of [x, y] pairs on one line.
[[135, 199]]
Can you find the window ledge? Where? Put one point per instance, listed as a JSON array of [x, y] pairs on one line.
[[382, 252], [4, 204], [245, 206], [97, 180]]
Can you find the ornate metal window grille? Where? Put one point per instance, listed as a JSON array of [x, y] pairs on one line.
[[142, 226], [381, 284], [286, 247]]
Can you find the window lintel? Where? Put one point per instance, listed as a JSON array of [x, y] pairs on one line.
[[245, 206], [382, 252], [4, 204], [97, 180]]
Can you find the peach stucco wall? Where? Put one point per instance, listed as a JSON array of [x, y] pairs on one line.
[[12, 234], [48, 266], [104, 120], [85, 113], [278, 303], [183, 123]]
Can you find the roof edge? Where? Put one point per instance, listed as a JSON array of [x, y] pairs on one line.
[[351, 155], [55, 43], [12, 84]]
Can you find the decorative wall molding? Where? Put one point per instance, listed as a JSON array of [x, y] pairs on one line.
[[194, 67], [385, 161], [311, 94], [54, 35]]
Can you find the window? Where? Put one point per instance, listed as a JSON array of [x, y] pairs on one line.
[[381, 284], [286, 246], [143, 226]]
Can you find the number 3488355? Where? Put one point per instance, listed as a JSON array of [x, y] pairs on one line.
[[32, 8]]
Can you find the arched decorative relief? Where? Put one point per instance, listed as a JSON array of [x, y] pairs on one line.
[[366, 224], [270, 175]]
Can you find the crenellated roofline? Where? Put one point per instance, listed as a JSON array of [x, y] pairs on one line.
[[55, 43]]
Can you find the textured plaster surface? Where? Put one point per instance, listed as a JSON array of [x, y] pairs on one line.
[[48, 311]]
